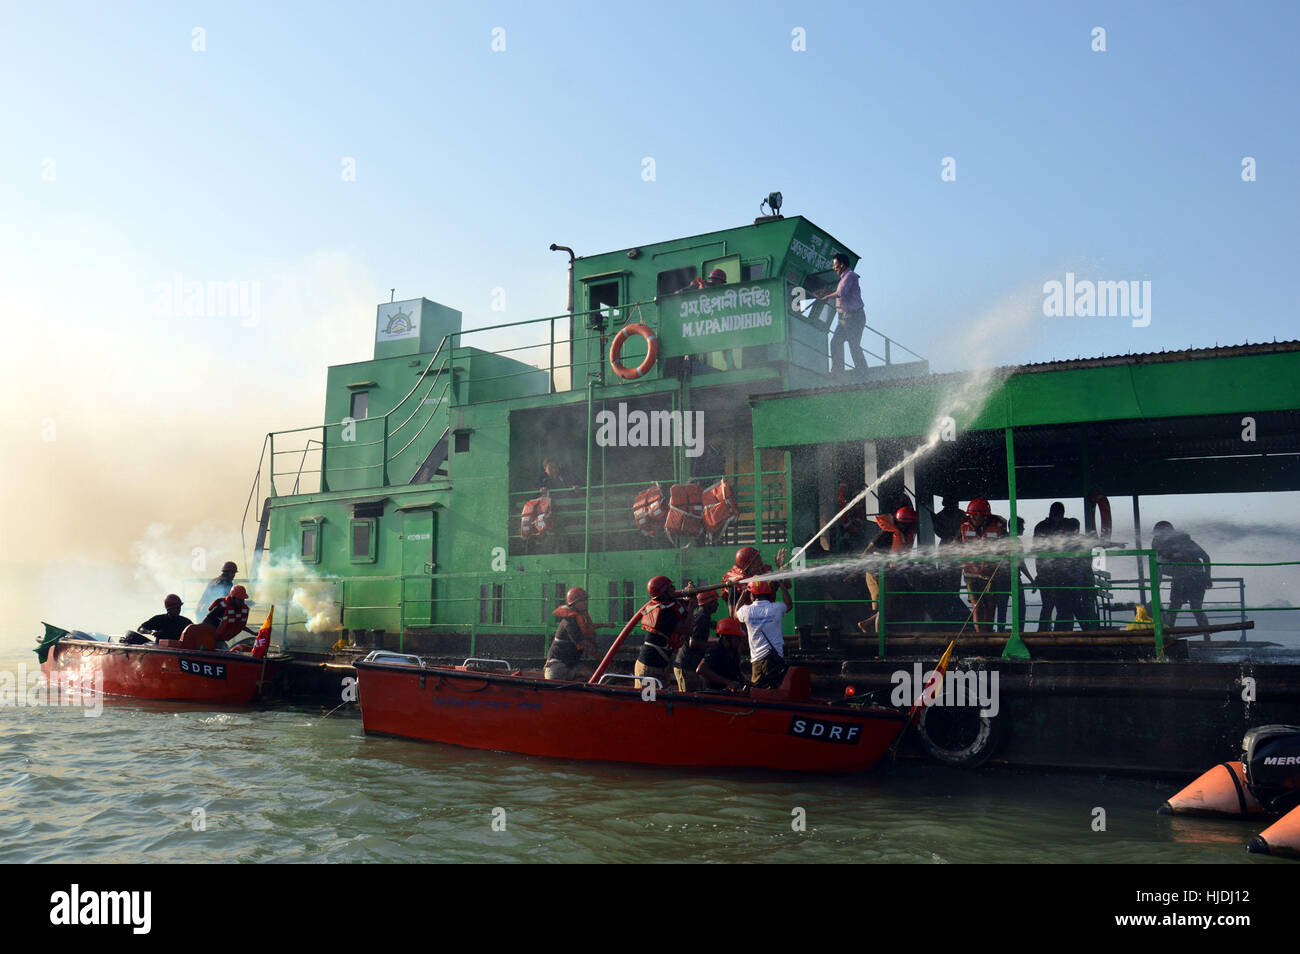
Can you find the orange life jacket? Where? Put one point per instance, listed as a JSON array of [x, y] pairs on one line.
[[995, 528], [583, 620], [648, 510], [685, 511], [658, 620], [901, 540], [719, 509], [535, 521], [234, 615]]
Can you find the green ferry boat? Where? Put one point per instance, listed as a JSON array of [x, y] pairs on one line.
[[413, 504]]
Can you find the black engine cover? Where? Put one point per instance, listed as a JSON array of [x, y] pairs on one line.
[[1271, 756]]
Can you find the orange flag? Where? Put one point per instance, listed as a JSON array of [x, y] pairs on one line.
[[263, 641], [933, 686]]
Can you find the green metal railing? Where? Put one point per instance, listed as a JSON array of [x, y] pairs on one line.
[[1099, 586], [397, 430]]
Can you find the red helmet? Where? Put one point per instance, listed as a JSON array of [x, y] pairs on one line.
[[707, 598], [905, 515], [660, 586], [575, 595], [762, 587], [730, 626], [978, 505], [172, 600], [717, 273], [238, 593], [746, 556]]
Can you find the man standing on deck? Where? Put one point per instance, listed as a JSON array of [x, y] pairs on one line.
[[219, 587], [1187, 565], [692, 652], [762, 619], [662, 622], [749, 562], [574, 634], [980, 528], [1079, 595], [948, 610], [852, 316], [1049, 535], [900, 531]]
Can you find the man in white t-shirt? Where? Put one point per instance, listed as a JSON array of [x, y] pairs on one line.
[[762, 619]]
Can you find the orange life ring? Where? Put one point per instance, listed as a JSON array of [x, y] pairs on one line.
[[1102, 505], [616, 352]]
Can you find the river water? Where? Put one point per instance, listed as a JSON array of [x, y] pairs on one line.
[[137, 783]]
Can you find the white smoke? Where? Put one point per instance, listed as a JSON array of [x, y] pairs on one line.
[[286, 582]]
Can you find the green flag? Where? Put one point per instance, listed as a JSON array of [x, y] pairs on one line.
[[52, 635]]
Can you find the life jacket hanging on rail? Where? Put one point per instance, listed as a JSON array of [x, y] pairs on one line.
[[685, 511], [649, 511], [719, 509], [536, 520]]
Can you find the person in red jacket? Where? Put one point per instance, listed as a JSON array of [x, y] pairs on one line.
[[663, 621], [979, 530], [749, 562], [229, 616], [900, 529]]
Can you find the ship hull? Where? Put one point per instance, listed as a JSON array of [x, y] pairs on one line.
[[531, 716], [165, 674]]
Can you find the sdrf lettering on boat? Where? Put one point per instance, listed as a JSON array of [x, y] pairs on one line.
[[846, 733], [209, 670]]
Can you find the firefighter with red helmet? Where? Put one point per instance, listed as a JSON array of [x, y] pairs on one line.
[[762, 619], [898, 534], [720, 667], [575, 634], [663, 621], [749, 562], [980, 529], [716, 277], [229, 616]]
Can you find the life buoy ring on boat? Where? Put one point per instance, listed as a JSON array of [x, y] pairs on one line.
[[1101, 516], [958, 735], [616, 351]]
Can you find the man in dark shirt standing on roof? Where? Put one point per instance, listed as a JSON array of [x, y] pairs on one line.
[[852, 315]]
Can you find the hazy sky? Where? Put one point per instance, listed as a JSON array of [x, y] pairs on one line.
[[132, 158]]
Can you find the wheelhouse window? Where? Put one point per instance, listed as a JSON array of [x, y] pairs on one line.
[[674, 280], [604, 297], [309, 539], [360, 406], [363, 540]]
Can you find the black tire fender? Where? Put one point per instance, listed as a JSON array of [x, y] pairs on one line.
[[959, 735]]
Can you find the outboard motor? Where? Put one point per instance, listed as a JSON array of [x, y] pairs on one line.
[[1270, 755]]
